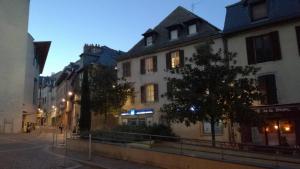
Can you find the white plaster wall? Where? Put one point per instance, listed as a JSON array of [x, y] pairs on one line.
[[13, 50], [286, 70], [158, 77]]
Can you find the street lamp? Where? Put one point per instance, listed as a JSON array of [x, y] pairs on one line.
[[63, 100], [70, 93]]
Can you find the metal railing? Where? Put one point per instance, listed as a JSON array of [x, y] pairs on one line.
[[250, 154]]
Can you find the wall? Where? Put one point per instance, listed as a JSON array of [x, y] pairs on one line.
[[285, 70], [163, 160], [13, 50]]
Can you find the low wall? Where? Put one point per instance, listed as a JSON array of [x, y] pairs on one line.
[[163, 160]]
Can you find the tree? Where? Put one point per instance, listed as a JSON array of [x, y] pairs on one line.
[[108, 93], [210, 87], [85, 116]]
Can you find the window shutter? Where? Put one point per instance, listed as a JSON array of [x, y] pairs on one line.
[[129, 69], [154, 63], [181, 55], [271, 89], [250, 51], [143, 96], [298, 37], [168, 61], [156, 96], [276, 45], [263, 89], [142, 66]]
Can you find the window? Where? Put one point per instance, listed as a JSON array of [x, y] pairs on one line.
[[192, 29], [175, 59], [267, 85], [263, 48], [149, 65], [207, 127], [174, 34], [298, 37], [149, 93], [126, 69], [259, 11], [149, 41]]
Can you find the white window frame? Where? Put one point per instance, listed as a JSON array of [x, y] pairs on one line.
[[174, 34], [192, 29], [149, 41]]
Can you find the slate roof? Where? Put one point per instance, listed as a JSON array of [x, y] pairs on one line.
[[238, 15], [178, 17]]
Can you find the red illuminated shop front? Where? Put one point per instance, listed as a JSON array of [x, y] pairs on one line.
[[282, 126]]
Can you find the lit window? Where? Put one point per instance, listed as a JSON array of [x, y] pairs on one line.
[[192, 29], [174, 34], [149, 65], [259, 11], [175, 59], [150, 93], [149, 41]]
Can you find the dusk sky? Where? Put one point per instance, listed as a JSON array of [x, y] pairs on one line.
[[118, 24]]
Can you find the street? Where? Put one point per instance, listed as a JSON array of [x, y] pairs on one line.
[[25, 151]]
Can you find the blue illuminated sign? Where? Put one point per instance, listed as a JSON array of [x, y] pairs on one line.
[[133, 112]]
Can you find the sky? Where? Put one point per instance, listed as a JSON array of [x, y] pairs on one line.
[[118, 24]]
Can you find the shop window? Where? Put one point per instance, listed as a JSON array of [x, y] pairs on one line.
[[218, 127]]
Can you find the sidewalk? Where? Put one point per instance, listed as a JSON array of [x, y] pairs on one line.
[[99, 161]]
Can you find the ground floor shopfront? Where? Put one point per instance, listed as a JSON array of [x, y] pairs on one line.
[[281, 126]]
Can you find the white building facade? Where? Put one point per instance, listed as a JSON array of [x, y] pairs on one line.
[[22, 60]]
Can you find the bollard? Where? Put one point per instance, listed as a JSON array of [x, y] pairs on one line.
[[90, 147]]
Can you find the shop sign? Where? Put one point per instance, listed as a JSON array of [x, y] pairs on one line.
[[134, 112]]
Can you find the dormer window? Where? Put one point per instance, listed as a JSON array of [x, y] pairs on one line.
[[192, 29], [174, 34], [259, 10], [149, 41]]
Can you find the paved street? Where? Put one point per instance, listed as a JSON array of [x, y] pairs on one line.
[[31, 152]]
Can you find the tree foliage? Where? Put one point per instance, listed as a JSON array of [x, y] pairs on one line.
[[108, 93], [211, 87]]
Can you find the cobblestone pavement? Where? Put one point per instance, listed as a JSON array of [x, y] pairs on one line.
[[20, 151]]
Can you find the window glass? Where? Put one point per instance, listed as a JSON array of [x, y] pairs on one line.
[[174, 34], [192, 29], [259, 11], [149, 41], [263, 48], [175, 59], [207, 127], [150, 93], [149, 65]]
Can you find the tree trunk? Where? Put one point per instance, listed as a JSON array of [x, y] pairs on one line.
[[213, 134], [232, 140]]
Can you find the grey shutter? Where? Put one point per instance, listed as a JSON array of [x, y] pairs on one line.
[[142, 66], [156, 94], [276, 45], [181, 55], [143, 96], [168, 61], [154, 63], [250, 51]]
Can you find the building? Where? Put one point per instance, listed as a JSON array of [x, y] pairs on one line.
[[66, 91], [266, 34], [22, 60], [47, 101], [163, 48]]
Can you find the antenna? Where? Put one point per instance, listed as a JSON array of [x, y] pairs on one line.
[[194, 5]]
